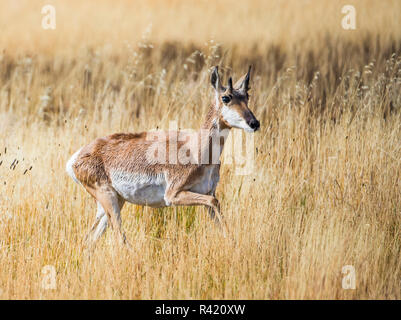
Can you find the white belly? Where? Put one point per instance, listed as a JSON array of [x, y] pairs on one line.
[[139, 188]]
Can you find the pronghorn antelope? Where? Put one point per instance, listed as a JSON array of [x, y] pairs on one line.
[[118, 168]]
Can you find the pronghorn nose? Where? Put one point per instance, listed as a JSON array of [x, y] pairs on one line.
[[254, 124]]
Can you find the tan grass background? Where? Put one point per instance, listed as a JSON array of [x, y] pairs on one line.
[[325, 191]]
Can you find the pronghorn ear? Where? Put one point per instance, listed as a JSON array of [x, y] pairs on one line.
[[215, 80], [243, 83]]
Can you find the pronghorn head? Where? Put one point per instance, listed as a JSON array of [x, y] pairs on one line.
[[232, 102]]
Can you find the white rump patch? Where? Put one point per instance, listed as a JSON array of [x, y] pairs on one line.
[[69, 165]]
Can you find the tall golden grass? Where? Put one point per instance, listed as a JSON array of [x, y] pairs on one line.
[[325, 191]]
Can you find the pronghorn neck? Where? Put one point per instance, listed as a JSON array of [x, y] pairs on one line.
[[214, 130]]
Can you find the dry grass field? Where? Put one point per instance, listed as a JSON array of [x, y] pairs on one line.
[[325, 190]]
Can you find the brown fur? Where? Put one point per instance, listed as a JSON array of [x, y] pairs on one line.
[[127, 152]]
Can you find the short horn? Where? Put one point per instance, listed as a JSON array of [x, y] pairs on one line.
[[230, 84], [245, 85]]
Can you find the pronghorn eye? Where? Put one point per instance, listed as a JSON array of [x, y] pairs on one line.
[[226, 99]]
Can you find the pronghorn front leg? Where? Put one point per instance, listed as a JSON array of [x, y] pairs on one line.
[[210, 210], [188, 198]]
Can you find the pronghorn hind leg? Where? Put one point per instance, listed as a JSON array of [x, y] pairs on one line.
[[99, 226], [111, 203]]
